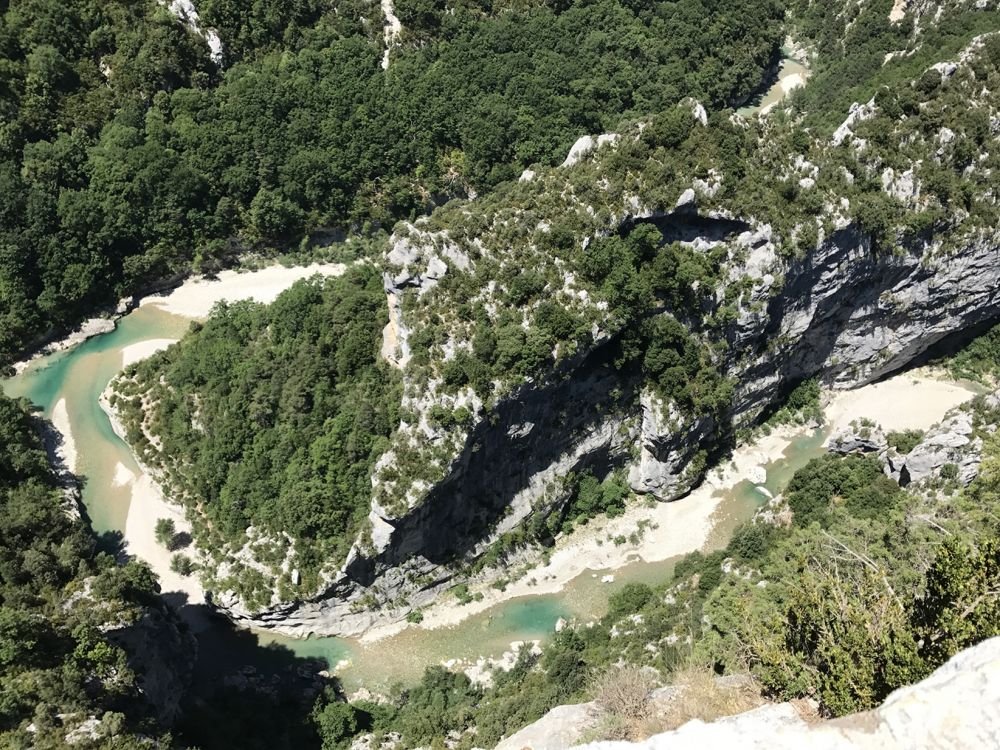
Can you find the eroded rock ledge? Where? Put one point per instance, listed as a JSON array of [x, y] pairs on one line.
[[957, 707]]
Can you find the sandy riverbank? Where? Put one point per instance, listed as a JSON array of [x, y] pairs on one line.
[[66, 452], [86, 330], [914, 400], [193, 299], [146, 506], [144, 349], [196, 297]]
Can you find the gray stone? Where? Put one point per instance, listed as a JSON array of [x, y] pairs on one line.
[[585, 145], [561, 728], [951, 442], [698, 110], [956, 708], [687, 198], [858, 113], [859, 437]]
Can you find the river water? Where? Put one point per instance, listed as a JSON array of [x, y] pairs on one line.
[[78, 377], [791, 75]]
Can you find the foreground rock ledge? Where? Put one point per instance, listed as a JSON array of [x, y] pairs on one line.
[[957, 707]]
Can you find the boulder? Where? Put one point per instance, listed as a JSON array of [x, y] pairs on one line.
[[860, 436], [951, 442]]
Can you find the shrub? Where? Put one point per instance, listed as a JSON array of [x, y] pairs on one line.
[[704, 696], [628, 600], [182, 565], [905, 441], [165, 532], [751, 541], [623, 692]]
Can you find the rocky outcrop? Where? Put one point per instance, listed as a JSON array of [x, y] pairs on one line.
[[860, 437], [845, 314], [567, 726], [844, 311], [391, 30], [957, 707], [956, 443], [560, 728], [188, 14], [669, 441], [586, 144]]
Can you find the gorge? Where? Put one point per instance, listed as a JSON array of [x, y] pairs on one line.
[[468, 367]]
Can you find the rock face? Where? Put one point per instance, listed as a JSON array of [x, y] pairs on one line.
[[845, 314], [851, 315], [844, 311], [860, 438], [951, 442], [585, 144], [955, 708], [186, 12], [162, 651], [541, 434], [666, 449], [956, 442], [566, 726]]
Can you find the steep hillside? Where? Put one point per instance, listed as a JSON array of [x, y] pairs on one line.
[[88, 654], [850, 585], [142, 140], [636, 308]]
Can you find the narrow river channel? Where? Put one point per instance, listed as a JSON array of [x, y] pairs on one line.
[[73, 380], [78, 376]]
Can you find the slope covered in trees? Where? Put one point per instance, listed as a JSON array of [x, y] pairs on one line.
[[126, 154], [272, 417], [62, 607], [869, 588]]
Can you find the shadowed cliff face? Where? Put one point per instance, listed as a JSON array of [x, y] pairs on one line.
[[844, 314], [851, 316], [685, 224], [509, 460]]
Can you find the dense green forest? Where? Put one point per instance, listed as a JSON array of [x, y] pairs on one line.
[[858, 53], [272, 416], [127, 156], [64, 607]]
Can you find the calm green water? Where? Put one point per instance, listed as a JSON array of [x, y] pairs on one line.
[[79, 376]]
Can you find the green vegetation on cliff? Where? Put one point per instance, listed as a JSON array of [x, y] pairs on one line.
[[980, 360], [870, 588], [64, 607], [272, 417], [127, 155]]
